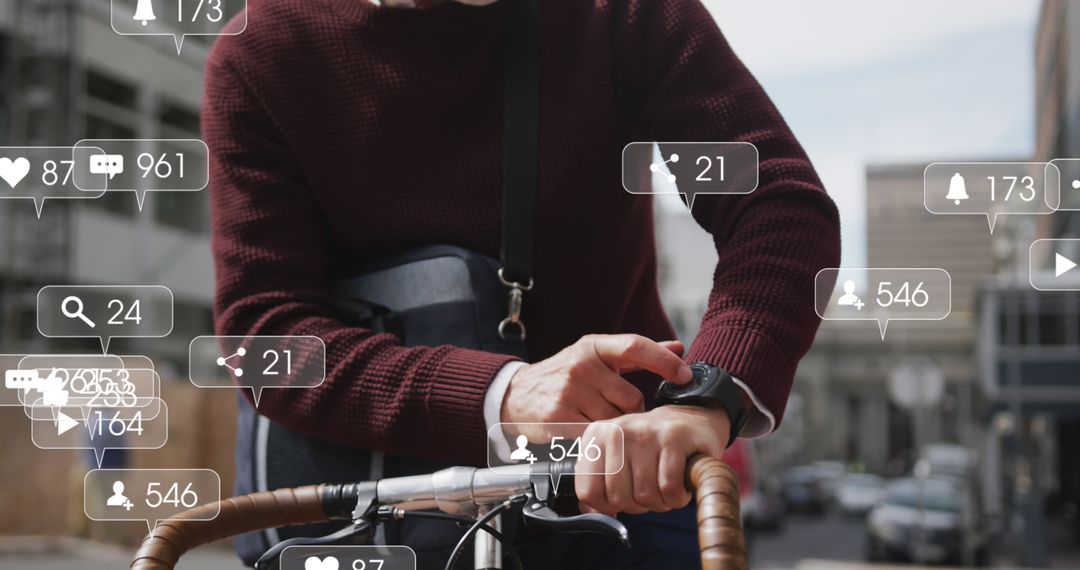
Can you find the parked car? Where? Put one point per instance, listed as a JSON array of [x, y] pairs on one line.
[[927, 521], [949, 460], [763, 508], [803, 492], [829, 474], [859, 492]]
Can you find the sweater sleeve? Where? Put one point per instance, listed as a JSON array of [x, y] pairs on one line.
[[686, 84], [270, 245]]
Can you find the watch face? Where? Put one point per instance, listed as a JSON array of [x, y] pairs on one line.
[[704, 378]]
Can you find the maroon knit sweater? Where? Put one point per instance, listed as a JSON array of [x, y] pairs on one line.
[[339, 130]]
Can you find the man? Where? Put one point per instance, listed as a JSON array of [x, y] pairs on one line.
[[343, 129]]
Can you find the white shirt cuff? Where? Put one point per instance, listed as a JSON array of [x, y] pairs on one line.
[[762, 421], [493, 400]]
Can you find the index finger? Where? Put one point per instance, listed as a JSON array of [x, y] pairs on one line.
[[624, 352]]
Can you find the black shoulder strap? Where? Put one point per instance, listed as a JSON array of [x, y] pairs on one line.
[[521, 100]]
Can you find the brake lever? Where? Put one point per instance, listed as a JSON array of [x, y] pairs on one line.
[[540, 514], [538, 511]]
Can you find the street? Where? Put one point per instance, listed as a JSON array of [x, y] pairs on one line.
[[830, 537]]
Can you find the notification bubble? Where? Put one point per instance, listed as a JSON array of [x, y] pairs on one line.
[[366, 557], [1054, 264], [37, 369], [1063, 184], [988, 189], [12, 362], [883, 295], [102, 429], [176, 18], [87, 382], [517, 448], [143, 165], [41, 173], [105, 312], [257, 362], [150, 495], [690, 168]]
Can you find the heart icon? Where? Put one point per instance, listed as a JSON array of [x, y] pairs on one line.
[[328, 563], [13, 171]]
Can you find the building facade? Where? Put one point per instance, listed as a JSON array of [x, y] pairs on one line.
[[1029, 340], [69, 76]]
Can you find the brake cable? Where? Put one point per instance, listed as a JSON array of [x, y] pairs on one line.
[[476, 526]]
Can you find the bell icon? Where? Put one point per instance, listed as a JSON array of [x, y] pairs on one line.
[[957, 189], [144, 11]]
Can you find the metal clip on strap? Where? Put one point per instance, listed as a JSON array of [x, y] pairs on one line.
[[513, 313]]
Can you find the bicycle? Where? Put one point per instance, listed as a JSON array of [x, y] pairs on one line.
[[463, 495]]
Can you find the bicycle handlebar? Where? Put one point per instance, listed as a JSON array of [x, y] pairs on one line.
[[455, 490]]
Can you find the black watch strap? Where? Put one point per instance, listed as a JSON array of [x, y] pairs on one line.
[[711, 387]]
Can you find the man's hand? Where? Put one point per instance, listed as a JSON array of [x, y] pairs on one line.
[[583, 382], [657, 444]]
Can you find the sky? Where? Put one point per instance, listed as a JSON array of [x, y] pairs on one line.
[[873, 82]]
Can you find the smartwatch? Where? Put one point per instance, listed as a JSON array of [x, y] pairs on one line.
[[711, 387]]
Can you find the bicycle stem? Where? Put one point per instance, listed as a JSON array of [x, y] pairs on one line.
[[487, 550]]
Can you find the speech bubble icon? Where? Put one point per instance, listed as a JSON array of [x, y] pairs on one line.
[[690, 168], [522, 448], [882, 294], [990, 189], [109, 164], [150, 495], [103, 429], [257, 362], [20, 379], [178, 18], [10, 397]]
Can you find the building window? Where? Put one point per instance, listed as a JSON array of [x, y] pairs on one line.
[[110, 91], [176, 117]]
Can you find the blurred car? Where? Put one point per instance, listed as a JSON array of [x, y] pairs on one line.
[[859, 492], [829, 474], [949, 460], [763, 508], [802, 491], [926, 521]]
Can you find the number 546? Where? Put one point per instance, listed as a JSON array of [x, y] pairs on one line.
[[905, 295]]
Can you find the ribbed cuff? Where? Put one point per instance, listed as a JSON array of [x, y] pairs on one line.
[[456, 404], [751, 357]]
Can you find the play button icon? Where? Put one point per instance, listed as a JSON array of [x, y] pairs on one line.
[[1062, 265], [1053, 264], [64, 423]]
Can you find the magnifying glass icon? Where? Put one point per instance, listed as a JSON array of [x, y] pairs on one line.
[[72, 307]]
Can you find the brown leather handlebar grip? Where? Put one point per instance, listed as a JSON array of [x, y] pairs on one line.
[[720, 533], [271, 509]]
